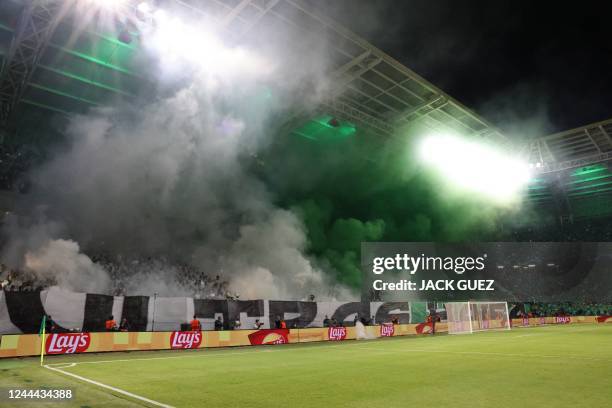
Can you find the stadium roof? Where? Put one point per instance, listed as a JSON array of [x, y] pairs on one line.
[[62, 68], [371, 88], [575, 176], [572, 148]]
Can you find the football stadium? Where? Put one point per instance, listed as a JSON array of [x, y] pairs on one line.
[[255, 203]]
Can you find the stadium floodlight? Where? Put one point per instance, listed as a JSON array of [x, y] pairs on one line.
[[476, 167]]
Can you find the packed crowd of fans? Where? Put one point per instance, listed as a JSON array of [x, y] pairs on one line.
[[126, 274], [21, 280], [197, 284], [185, 278], [533, 309]]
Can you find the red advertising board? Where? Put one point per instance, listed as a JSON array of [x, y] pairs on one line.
[[185, 339], [67, 343], [269, 336], [336, 333], [424, 328], [387, 329]]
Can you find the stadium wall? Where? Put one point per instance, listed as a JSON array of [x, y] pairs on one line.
[[20, 345], [22, 312]]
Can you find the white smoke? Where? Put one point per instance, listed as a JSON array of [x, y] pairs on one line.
[[174, 177], [61, 261], [267, 260]]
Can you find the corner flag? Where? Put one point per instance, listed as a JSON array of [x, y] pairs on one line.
[[43, 325]]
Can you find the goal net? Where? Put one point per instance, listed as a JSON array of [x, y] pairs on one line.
[[468, 317]]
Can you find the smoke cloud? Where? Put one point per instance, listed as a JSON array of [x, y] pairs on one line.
[[205, 172], [172, 179], [60, 260]]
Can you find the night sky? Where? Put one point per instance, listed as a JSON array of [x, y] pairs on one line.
[[528, 66]]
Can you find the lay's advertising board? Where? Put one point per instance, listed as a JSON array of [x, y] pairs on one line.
[[71, 343]]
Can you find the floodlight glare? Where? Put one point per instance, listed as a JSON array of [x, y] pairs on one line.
[[475, 166], [179, 43], [109, 4], [160, 16], [144, 7]]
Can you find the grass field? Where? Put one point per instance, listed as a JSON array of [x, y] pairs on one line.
[[553, 366]]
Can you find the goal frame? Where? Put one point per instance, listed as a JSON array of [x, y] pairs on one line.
[[471, 320]]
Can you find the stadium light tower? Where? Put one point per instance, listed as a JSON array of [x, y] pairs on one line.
[[475, 167]]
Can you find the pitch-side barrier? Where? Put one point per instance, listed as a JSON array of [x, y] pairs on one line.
[[19, 345]]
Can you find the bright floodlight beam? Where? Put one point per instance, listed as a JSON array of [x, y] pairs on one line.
[[144, 7], [179, 43], [476, 167], [109, 4]]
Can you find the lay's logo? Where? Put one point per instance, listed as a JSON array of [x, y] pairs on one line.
[[185, 339], [336, 333], [387, 330], [67, 343], [269, 336]]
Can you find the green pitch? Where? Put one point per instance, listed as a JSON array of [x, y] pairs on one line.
[[554, 366]]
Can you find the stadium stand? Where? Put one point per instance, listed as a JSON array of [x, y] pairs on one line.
[[532, 309], [186, 278]]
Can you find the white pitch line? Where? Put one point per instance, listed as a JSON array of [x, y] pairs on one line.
[[115, 389], [54, 367]]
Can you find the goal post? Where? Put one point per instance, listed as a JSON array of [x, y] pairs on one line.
[[458, 317], [469, 317]]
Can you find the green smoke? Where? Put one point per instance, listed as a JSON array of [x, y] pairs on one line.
[[363, 187]]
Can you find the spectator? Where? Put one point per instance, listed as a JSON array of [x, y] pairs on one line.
[[218, 324], [326, 321], [257, 324], [277, 322], [124, 326], [50, 326]]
